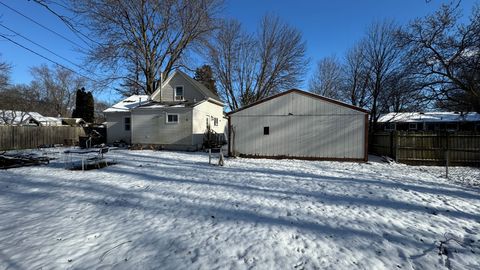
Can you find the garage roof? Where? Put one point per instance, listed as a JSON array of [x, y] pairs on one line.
[[303, 93]]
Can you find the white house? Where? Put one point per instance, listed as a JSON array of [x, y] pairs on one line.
[[298, 124], [175, 116], [430, 121]]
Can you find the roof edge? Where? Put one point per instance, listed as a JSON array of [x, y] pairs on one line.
[[337, 102]]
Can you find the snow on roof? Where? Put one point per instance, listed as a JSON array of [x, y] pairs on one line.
[[21, 118], [14, 117], [430, 117], [128, 103]]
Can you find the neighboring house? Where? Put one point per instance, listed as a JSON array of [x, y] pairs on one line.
[[299, 124], [73, 122], [175, 116], [20, 118], [430, 121]]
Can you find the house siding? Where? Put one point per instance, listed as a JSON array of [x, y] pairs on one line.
[[149, 127], [189, 91], [299, 126], [200, 113], [116, 128]]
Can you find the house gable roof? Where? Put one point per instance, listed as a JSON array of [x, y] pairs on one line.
[[302, 93], [199, 86]]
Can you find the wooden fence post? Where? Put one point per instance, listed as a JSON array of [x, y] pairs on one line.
[[397, 147], [391, 144], [446, 155]]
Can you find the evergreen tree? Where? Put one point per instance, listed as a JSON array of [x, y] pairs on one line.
[[79, 104], [89, 113], [204, 75], [84, 106]]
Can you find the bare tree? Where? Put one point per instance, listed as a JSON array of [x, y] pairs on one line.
[[327, 79], [5, 70], [152, 35], [356, 77], [15, 104], [55, 89], [445, 56], [384, 61], [233, 56], [249, 67]]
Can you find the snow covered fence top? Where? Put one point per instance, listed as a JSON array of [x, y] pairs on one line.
[[413, 117]]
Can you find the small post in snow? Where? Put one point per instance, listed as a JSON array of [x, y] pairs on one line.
[[209, 156]]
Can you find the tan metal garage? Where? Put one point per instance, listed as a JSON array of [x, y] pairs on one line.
[[299, 124]]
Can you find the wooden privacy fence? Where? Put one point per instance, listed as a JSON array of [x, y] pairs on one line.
[[26, 137], [428, 148]]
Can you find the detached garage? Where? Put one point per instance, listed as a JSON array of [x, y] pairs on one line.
[[299, 124]]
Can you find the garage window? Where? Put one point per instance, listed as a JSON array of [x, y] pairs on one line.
[[266, 130]]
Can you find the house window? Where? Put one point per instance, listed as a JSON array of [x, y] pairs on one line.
[[208, 121], [172, 118], [179, 93], [390, 126], [215, 121], [126, 123], [266, 130], [412, 126]]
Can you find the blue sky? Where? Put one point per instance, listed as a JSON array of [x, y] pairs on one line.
[[329, 27]]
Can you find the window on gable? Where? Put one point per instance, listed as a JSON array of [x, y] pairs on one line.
[[126, 123], [179, 93], [266, 130], [172, 118]]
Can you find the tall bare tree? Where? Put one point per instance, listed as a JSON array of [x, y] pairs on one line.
[[356, 78], [55, 89], [445, 56], [384, 61], [327, 79], [249, 67], [153, 35]]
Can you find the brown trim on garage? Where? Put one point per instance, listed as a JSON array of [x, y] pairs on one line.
[[303, 93], [229, 137], [304, 158], [365, 146]]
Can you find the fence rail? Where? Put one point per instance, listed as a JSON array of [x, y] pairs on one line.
[[26, 137], [428, 148]]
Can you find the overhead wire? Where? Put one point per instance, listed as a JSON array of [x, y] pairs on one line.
[[44, 57], [45, 48], [43, 26]]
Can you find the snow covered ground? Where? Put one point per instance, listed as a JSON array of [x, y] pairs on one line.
[[170, 210]]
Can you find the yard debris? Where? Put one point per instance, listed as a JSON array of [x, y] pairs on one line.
[[8, 161]]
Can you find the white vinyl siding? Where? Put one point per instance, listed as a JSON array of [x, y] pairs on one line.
[[149, 126], [116, 127]]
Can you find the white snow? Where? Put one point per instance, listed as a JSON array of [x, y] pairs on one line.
[[172, 210], [429, 117], [8, 117], [128, 104]]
